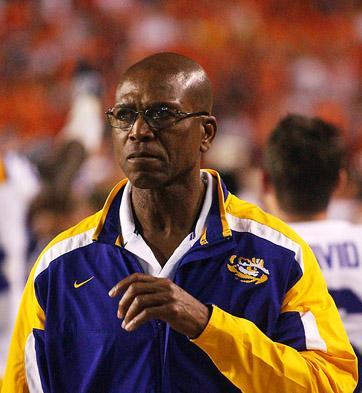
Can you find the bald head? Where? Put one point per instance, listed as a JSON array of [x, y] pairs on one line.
[[190, 75]]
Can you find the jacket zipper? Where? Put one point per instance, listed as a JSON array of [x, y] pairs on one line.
[[161, 348]]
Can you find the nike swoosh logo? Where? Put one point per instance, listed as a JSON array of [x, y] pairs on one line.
[[77, 285]]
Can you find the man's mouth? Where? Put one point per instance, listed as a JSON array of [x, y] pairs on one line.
[[142, 155]]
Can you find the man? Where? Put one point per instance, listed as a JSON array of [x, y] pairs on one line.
[[304, 164], [206, 292]]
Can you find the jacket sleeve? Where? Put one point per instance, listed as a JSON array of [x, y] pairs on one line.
[[21, 354], [257, 364]]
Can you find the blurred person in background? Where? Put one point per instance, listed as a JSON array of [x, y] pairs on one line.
[[176, 284], [63, 162], [304, 163], [19, 184], [80, 137]]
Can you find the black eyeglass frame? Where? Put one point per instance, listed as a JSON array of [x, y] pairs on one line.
[[176, 112]]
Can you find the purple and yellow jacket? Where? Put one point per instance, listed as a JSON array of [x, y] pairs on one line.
[[274, 327]]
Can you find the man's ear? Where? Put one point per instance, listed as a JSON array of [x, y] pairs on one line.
[[266, 185], [208, 134], [342, 183], [268, 196]]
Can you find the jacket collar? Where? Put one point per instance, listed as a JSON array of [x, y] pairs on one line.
[[108, 229]]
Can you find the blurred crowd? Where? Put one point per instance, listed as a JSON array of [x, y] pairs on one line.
[[61, 59]]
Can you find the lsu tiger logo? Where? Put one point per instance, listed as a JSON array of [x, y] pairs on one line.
[[248, 270]]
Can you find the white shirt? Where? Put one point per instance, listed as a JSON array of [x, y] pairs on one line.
[[16, 193], [338, 248], [134, 242]]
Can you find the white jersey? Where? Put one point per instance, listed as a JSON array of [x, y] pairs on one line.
[[338, 248]]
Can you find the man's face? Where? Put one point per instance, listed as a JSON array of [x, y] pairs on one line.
[[152, 159]]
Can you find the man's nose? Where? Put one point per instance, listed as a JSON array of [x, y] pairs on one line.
[[140, 129]]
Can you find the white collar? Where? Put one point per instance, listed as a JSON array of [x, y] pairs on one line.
[[134, 242]]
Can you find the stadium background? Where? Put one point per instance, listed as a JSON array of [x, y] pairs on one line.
[[265, 58]]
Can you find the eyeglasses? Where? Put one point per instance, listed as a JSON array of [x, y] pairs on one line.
[[157, 118]]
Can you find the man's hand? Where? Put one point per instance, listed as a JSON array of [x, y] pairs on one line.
[[146, 297]]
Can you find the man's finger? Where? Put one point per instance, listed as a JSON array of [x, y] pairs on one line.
[[142, 302], [122, 285], [157, 312], [133, 291]]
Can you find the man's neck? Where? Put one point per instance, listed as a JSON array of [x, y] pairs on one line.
[[294, 217], [165, 216], [273, 206]]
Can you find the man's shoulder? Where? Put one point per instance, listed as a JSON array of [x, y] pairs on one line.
[[75, 237], [86, 230], [247, 217], [85, 226], [243, 214]]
